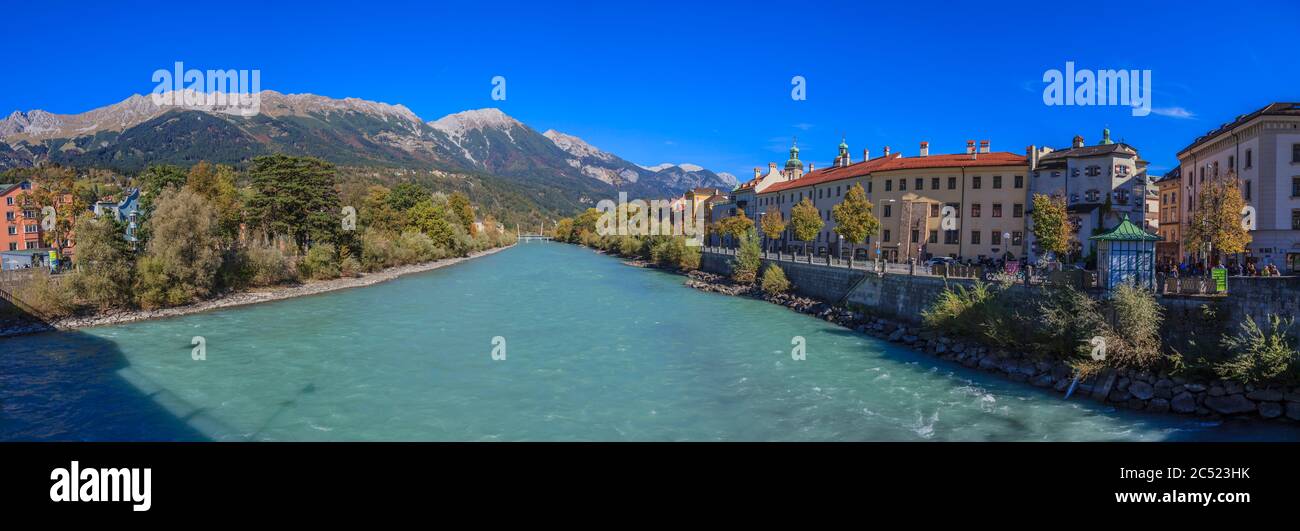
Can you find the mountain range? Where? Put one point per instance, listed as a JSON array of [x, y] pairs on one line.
[[562, 169]]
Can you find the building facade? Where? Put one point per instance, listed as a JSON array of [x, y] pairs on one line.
[[984, 192], [1262, 151], [1169, 250], [1102, 185]]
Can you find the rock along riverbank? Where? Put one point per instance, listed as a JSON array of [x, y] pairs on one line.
[[1137, 390], [231, 300]]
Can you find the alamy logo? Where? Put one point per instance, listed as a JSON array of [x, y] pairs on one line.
[[1083, 87], [229, 91], [949, 221], [75, 484], [658, 217]]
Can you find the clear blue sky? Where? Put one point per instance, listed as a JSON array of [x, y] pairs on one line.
[[700, 82]]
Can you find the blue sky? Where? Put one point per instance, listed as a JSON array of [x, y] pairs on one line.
[[701, 82]]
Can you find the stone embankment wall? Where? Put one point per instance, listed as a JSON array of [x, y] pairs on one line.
[[902, 296]]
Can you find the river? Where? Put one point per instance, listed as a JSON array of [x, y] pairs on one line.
[[593, 350]]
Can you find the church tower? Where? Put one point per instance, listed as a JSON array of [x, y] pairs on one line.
[[793, 167]]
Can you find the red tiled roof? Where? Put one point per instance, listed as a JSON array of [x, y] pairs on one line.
[[897, 162]]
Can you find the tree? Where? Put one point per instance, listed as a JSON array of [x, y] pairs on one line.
[[406, 195], [806, 221], [772, 223], [377, 210], [564, 230], [744, 268], [464, 211], [153, 181], [736, 225], [854, 220], [216, 184], [182, 257], [103, 276], [1216, 224], [433, 219], [296, 197], [1051, 226]]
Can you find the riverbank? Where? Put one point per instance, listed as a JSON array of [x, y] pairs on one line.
[[242, 298], [1129, 389]]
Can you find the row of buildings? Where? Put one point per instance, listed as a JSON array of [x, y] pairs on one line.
[[24, 242], [988, 194]]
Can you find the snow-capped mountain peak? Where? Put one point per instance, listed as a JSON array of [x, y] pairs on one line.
[[478, 119], [576, 146]]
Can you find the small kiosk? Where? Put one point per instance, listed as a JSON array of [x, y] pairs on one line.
[[1126, 255]]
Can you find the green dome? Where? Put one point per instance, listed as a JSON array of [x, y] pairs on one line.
[[794, 162]]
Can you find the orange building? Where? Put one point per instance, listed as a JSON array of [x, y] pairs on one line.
[[21, 226]]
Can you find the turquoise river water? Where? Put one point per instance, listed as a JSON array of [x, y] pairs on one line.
[[594, 350]]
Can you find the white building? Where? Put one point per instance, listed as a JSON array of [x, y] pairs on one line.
[[1262, 150], [1102, 184]]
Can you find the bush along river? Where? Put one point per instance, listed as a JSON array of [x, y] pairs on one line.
[[540, 342]]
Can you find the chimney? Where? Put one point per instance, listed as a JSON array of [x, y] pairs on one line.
[[771, 166], [757, 172], [1078, 141], [925, 149], [984, 146], [866, 154], [810, 167], [1031, 155], [970, 147], [886, 151]]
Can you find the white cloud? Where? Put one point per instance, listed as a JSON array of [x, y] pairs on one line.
[[1174, 112], [803, 126]]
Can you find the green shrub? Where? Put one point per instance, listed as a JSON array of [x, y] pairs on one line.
[[630, 246], [320, 262], [267, 264], [1134, 338], [50, 297], [744, 267], [378, 250], [774, 281], [1262, 356], [349, 267], [416, 247]]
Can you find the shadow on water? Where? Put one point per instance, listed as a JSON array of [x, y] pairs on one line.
[[73, 386]]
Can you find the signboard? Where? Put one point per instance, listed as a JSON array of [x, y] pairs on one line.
[[1220, 279]]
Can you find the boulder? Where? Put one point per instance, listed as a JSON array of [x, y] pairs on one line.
[[897, 335], [1158, 405], [1266, 395], [1043, 380], [1270, 410], [1141, 390], [1195, 387], [1230, 404], [1293, 410], [1184, 403]]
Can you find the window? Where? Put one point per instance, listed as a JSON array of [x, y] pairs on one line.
[[13, 229], [1121, 196], [889, 185], [997, 210], [950, 237], [975, 237], [31, 229], [920, 183], [975, 182], [9, 200], [934, 236], [996, 238], [997, 182], [934, 183], [868, 186], [889, 210], [1250, 159], [1074, 172], [916, 236], [1019, 181], [1232, 162], [1093, 171], [1295, 153], [902, 184], [1295, 186], [1017, 238], [1121, 169], [886, 238], [1017, 210], [1093, 196], [31, 245], [934, 210], [952, 183], [974, 210], [1056, 174], [1295, 219], [13, 246], [9, 216], [1246, 191], [837, 191]]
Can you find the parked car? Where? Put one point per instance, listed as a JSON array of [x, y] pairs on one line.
[[939, 260]]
